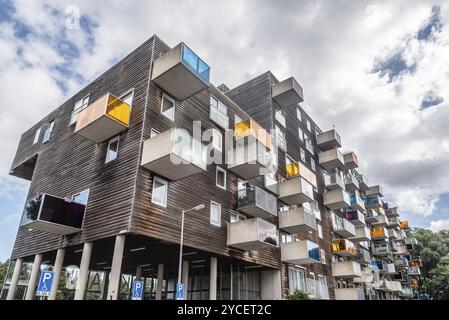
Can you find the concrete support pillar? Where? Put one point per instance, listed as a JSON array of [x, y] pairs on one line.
[[34, 277], [139, 273], [15, 279], [83, 276], [160, 280], [57, 270], [213, 279], [116, 269], [271, 285], [185, 277]]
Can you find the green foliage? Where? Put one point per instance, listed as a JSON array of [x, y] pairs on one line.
[[3, 270], [299, 295], [438, 281]]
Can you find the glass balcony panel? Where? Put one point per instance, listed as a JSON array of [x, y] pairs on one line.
[[336, 199], [334, 181], [252, 234], [363, 182], [329, 140], [298, 220], [256, 202]]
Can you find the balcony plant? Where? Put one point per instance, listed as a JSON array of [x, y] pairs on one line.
[[299, 295]]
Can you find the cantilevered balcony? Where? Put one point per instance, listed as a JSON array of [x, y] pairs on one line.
[[52, 214], [363, 182], [362, 233], [371, 216], [300, 252], [392, 234], [336, 199], [407, 293], [297, 169], [334, 181], [346, 269], [372, 202], [379, 233], [343, 248], [400, 262], [381, 249], [400, 250], [342, 227], [180, 72], [351, 183], [356, 202], [252, 234], [295, 190], [416, 263], [380, 265], [391, 268], [414, 271], [351, 161], [363, 256], [382, 221], [349, 294], [374, 191], [174, 154], [103, 119], [256, 202], [250, 130], [287, 93], [400, 276], [329, 140], [392, 212], [298, 220], [355, 217], [249, 159], [393, 222], [331, 159], [403, 224], [390, 286]]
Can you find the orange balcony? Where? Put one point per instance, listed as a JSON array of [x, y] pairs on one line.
[[103, 119], [344, 248], [249, 127], [379, 233], [416, 263], [296, 169], [404, 224]]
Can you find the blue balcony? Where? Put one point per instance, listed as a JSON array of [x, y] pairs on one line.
[[372, 202]]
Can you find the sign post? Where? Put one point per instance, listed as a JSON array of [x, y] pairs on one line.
[[45, 283], [179, 291], [137, 290]]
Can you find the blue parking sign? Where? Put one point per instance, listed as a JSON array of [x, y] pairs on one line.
[[45, 282], [179, 291], [137, 290]]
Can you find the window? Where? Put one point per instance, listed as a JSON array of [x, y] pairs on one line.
[[168, 107], [312, 164], [237, 119], [298, 114], [81, 197], [219, 113], [235, 217], [215, 214], [36, 135], [286, 238], [309, 126], [296, 279], [48, 131], [112, 151], [322, 257], [280, 138], [303, 154], [220, 175], [160, 191], [308, 143], [217, 140], [154, 133], [79, 106], [301, 134], [279, 116], [320, 231], [128, 98]]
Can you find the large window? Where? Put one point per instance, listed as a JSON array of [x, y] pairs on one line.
[[215, 214], [296, 279], [280, 138], [112, 151], [36, 135], [79, 106], [219, 113], [81, 197], [48, 131], [168, 107], [160, 191], [221, 178]]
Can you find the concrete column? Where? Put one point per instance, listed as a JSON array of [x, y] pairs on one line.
[[83, 276], [213, 279], [185, 277], [34, 277], [15, 279], [160, 280], [271, 285], [139, 273], [116, 269], [57, 270]]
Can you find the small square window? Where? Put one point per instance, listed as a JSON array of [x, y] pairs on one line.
[[112, 151], [160, 191], [221, 178], [168, 107], [36, 135], [215, 214]]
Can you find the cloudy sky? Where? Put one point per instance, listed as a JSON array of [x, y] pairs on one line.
[[378, 71]]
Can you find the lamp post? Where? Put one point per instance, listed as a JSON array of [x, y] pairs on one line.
[[198, 207]]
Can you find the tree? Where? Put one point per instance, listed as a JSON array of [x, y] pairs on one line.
[[299, 295], [3, 271], [437, 282]]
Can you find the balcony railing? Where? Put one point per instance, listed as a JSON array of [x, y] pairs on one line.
[[363, 182], [180, 72], [351, 182], [351, 161], [362, 233], [256, 202], [342, 226], [379, 233], [363, 256], [300, 252], [343, 248], [174, 154], [381, 221], [249, 160], [372, 202], [355, 217], [334, 181], [401, 262], [400, 276], [336, 199], [252, 234], [371, 216], [219, 117], [374, 191], [382, 249], [393, 221], [52, 214], [391, 286], [297, 169], [298, 220], [403, 224], [331, 159], [346, 269], [349, 294], [295, 190], [329, 140], [356, 202], [380, 265], [287, 93], [392, 212], [103, 119], [251, 130]]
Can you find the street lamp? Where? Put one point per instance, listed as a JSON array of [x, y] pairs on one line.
[[198, 207]]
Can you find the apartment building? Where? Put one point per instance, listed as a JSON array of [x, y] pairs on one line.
[[271, 202]]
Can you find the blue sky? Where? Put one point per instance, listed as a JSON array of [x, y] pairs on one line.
[[378, 71]]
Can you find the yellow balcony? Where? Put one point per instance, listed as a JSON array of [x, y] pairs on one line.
[[344, 248], [379, 233], [103, 119], [249, 127], [416, 263], [297, 169], [404, 224]]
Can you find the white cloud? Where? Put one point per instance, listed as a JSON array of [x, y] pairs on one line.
[[439, 225]]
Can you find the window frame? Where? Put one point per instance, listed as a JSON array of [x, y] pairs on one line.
[[117, 138], [218, 168], [76, 111], [284, 146], [166, 96], [79, 193], [299, 114], [37, 135], [217, 137], [49, 130], [320, 230], [301, 134], [129, 92], [215, 204], [302, 154], [166, 184]]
